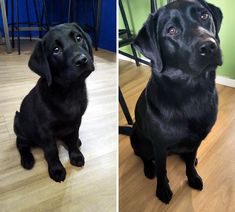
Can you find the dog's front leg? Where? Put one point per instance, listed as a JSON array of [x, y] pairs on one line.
[[163, 192], [75, 155], [194, 180], [55, 168]]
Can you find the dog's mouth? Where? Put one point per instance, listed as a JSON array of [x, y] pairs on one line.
[[85, 74]]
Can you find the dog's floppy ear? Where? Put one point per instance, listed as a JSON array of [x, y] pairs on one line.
[[87, 38], [217, 16], [38, 63], [216, 13], [147, 42]]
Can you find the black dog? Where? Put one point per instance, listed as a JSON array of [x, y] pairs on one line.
[[178, 107], [54, 107]]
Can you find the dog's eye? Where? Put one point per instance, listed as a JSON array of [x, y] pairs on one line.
[[56, 50], [204, 16], [78, 38], [172, 31]]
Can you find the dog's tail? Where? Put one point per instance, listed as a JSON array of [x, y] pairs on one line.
[[125, 130]]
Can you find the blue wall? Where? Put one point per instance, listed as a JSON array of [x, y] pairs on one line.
[[57, 13]]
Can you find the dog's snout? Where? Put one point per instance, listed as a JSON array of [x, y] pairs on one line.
[[207, 48], [81, 60]]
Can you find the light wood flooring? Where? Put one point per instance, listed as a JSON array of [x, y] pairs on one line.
[[216, 158], [91, 188]]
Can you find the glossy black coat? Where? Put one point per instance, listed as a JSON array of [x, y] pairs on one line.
[[53, 109], [178, 107]]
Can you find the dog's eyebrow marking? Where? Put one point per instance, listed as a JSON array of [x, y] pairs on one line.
[[57, 42], [73, 33]]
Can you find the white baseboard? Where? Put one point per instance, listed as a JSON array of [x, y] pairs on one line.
[[225, 81], [219, 79], [122, 57]]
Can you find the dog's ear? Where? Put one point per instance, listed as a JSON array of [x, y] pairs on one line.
[[87, 38], [147, 42], [38, 63], [216, 13], [217, 16]]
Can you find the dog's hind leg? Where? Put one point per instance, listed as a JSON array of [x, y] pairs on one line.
[[27, 159], [141, 148]]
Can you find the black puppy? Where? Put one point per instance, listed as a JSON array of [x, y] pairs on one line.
[[53, 109], [178, 107]]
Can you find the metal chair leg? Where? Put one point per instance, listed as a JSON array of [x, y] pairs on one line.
[[18, 25], [97, 24], [69, 11], [125, 108], [123, 14], [5, 26], [28, 18], [12, 24], [153, 6]]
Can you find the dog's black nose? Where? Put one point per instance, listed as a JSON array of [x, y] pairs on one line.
[[81, 60], [208, 48]]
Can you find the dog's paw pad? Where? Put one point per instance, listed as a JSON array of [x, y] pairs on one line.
[[195, 182], [77, 159], [27, 161], [57, 173], [164, 194]]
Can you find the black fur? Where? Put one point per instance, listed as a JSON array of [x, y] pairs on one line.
[[53, 109], [178, 107]]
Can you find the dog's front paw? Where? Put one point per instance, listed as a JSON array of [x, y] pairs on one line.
[[27, 161], [195, 182], [57, 173], [164, 193], [77, 159]]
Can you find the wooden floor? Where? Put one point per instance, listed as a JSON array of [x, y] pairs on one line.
[[91, 188], [216, 159]]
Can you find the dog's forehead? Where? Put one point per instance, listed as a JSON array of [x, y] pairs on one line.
[[181, 9], [182, 5], [59, 32]]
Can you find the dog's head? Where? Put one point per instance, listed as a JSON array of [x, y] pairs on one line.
[[64, 55], [182, 35]]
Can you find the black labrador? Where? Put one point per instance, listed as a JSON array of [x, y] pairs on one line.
[[178, 107], [53, 109]]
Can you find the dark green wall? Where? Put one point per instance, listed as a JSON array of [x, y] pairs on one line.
[[137, 12]]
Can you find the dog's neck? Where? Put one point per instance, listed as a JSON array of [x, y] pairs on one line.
[[165, 86], [179, 80], [62, 88]]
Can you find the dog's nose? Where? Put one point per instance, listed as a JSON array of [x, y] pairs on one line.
[[208, 48], [81, 60]]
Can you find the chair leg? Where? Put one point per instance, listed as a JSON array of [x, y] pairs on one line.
[[5, 26], [37, 17], [18, 25], [125, 108], [153, 6], [28, 18], [97, 24], [123, 14], [69, 11], [12, 24], [135, 55]]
